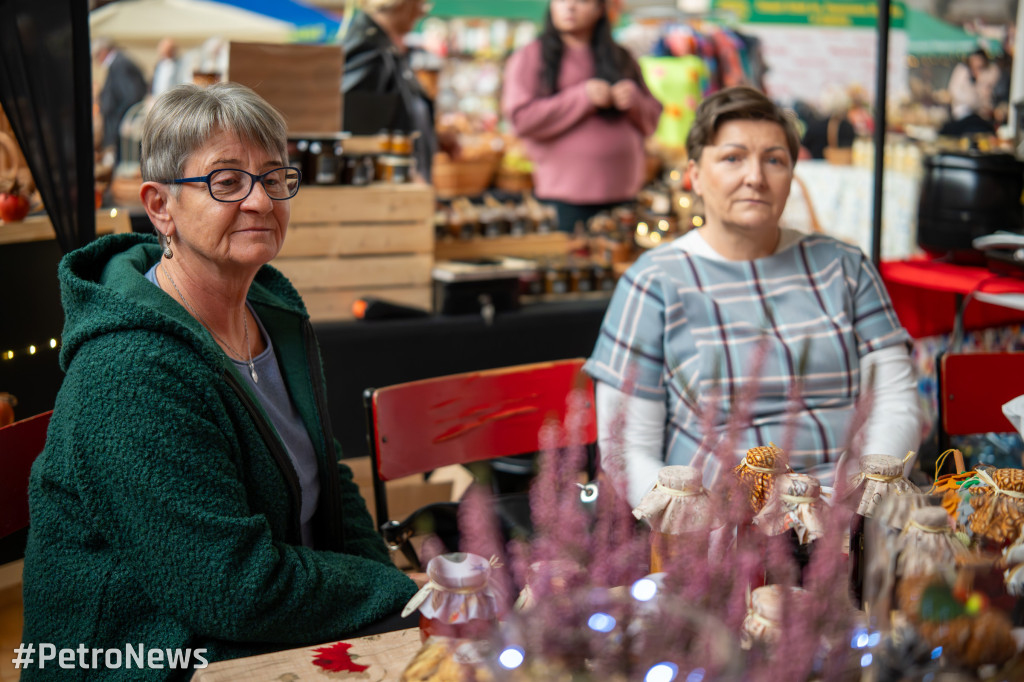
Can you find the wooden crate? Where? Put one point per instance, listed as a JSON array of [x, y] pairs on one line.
[[526, 246], [348, 242]]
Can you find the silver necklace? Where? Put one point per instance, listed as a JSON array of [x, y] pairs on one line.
[[202, 321]]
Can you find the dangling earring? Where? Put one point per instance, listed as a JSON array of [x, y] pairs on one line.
[[167, 247]]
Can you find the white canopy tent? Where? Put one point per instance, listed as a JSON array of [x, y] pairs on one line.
[[187, 21], [138, 25]]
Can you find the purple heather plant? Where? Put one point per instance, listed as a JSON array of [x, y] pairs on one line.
[[581, 564]]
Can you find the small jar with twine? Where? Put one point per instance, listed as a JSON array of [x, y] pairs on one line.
[[881, 492], [794, 505], [766, 608], [879, 477], [927, 544], [680, 514], [757, 471], [460, 601]]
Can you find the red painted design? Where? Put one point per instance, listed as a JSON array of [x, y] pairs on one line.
[[335, 658]]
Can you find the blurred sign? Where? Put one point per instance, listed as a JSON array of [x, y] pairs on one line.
[[837, 13]]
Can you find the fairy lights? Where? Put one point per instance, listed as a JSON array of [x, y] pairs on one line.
[[662, 672], [511, 657], [644, 589], [31, 349], [601, 622]]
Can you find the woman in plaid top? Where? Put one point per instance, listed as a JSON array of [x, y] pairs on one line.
[[743, 303]]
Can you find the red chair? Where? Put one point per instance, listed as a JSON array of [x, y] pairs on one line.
[[419, 426], [20, 444], [972, 390]]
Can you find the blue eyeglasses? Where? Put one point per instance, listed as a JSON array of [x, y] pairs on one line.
[[232, 184]]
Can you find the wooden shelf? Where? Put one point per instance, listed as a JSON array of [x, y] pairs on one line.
[[526, 246], [37, 228], [347, 242]]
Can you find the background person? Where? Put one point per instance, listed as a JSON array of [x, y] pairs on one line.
[[168, 71], [970, 88], [579, 103], [123, 87], [379, 82], [190, 494], [688, 318]]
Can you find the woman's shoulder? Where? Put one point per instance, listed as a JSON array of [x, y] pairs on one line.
[[529, 54], [828, 245]]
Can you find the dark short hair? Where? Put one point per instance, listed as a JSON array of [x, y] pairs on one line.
[[739, 103]]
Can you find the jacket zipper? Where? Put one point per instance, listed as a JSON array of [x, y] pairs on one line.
[[330, 504], [279, 454]]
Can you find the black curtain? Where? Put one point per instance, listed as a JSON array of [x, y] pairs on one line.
[[46, 92]]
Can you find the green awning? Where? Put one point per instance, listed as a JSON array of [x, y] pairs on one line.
[[531, 10], [929, 37]]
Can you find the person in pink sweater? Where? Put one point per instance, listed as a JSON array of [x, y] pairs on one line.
[[579, 103]]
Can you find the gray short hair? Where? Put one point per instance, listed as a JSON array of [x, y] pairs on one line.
[[186, 117]]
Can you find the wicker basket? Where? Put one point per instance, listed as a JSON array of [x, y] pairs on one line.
[[514, 181], [463, 177]]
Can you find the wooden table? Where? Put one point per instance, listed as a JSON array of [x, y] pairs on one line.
[[387, 655]]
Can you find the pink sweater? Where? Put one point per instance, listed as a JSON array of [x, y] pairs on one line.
[[578, 156]]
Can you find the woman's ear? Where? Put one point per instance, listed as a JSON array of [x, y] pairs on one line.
[[155, 198], [694, 175]]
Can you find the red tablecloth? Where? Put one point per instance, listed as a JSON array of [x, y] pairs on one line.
[[926, 295]]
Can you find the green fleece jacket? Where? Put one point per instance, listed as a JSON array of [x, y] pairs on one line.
[[164, 509]]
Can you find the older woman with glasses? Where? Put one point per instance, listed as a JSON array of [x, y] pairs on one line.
[[190, 496]]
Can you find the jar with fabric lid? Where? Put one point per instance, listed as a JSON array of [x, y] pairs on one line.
[[765, 607], [681, 516], [460, 599], [927, 544], [794, 515], [881, 492]]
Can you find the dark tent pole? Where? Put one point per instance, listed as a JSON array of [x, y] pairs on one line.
[[882, 74]]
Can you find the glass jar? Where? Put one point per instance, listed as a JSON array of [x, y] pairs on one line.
[[394, 169], [400, 144], [460, 601], [556, 279], [680, 514], [327, 165], [793, 517], [880, 478]]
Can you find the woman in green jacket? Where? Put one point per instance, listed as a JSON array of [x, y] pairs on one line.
[[190, 499]]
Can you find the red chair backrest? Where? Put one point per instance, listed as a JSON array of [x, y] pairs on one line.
[[20, 444], [423, 425], [974, 387]]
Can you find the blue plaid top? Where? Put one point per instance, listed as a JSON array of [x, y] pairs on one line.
[[681, 325]]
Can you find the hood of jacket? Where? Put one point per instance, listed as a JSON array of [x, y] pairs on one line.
[[104, 290]]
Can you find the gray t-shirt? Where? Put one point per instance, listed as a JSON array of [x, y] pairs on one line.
[[273, 396]]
